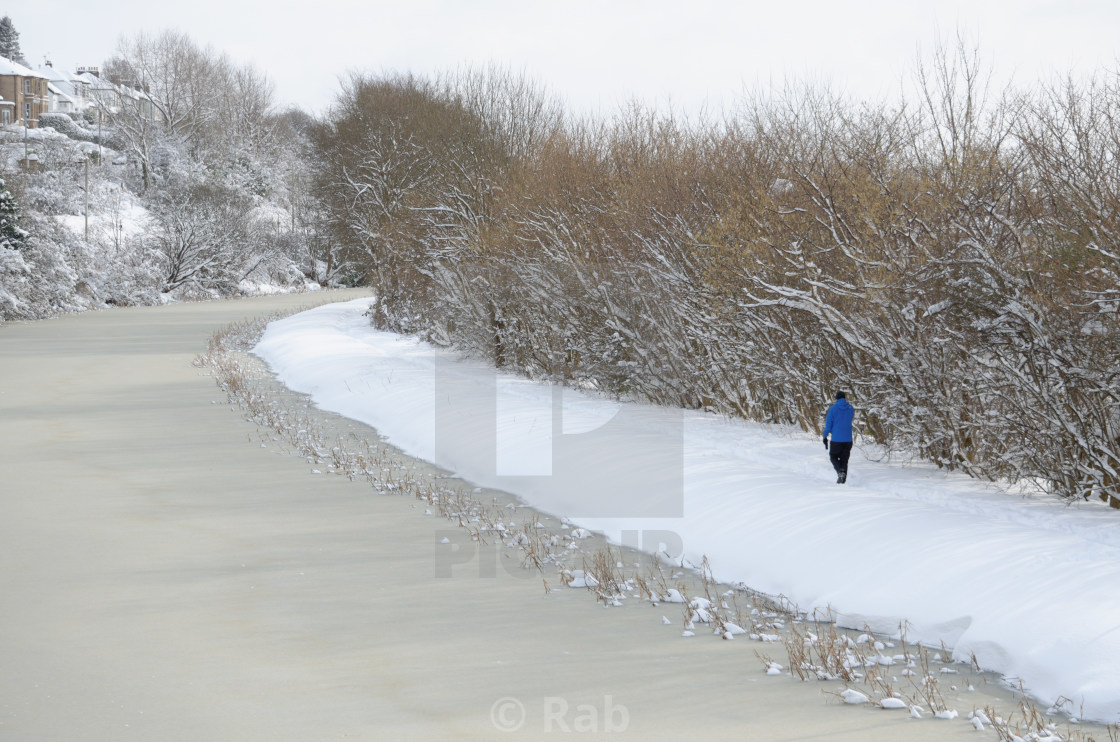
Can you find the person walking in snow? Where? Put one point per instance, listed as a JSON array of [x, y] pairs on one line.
[[838, 424]]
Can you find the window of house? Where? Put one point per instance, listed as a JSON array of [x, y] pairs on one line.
[[27, 112], [27, 86], [7, 115]]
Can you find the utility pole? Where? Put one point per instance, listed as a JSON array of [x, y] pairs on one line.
[[87, 197], [26, 151]]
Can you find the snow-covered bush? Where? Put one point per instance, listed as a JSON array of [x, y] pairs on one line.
[[36, 280], [64, 124], [61, 122]]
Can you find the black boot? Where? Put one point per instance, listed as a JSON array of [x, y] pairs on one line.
[[842, 478]]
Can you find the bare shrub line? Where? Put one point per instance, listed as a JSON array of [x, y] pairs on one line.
[[949, 259]]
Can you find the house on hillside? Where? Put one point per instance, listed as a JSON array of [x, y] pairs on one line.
[[28, 92], [68, 92], [60, 101], [101, 95], [112, 99]]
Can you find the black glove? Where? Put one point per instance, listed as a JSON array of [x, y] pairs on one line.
[[826, 442]]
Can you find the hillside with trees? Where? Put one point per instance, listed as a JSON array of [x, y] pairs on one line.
[[188, 183]]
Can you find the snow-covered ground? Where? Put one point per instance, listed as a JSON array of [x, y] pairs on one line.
[[1026, 584]]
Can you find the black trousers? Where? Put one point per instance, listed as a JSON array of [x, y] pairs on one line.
[[838, 454]]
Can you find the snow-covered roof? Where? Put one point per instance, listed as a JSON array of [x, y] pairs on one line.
[[94, 80], [52, 74], [60, 92], [8, 67], [60, 75]]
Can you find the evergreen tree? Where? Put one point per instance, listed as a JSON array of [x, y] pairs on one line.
[[9, 40], [11, 236]]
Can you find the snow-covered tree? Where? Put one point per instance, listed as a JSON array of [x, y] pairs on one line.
[[171, 91], [9, 40], [205, 240], [12, 236]]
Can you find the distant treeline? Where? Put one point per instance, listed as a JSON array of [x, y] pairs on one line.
[[952, 260]]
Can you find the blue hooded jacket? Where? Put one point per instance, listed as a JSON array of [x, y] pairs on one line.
[[838, 421]]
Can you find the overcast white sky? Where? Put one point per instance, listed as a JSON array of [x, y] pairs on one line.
[[596, 54]]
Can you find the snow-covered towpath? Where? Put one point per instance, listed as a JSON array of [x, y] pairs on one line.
[[1026, 584]]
